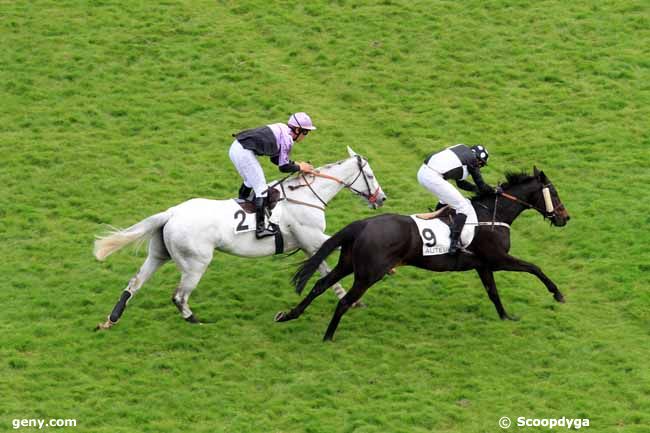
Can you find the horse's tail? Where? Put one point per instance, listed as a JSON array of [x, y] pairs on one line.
[[116, 239], [309, 266]]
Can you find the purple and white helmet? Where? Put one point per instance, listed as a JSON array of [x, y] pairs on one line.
[[301, 120]]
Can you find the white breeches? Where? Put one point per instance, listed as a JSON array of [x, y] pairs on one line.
[[249, 168], [435, 183]]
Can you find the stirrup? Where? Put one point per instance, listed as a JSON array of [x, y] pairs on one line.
[[270, 230], [245, 193], [455, 247]]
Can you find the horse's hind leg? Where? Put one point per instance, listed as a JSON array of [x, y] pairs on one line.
[[343, 306], [324, 270], [192, 257], [157, 257], [191, 274], [363, 279], [311, 241], [340, 271], [487, 278]]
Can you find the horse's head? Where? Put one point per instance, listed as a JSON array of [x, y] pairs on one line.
[[537, 192], [534, 192], [548, 199], [363, 181]]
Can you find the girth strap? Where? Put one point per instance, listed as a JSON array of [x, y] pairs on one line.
[[493, 223], [279, 240]]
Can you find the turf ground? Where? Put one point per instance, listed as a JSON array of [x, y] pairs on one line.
[[113, 111]]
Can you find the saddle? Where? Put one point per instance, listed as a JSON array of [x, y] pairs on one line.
[[444, 214], [249, 206]]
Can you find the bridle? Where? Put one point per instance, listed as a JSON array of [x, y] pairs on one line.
[[549, 211], [370, 196]]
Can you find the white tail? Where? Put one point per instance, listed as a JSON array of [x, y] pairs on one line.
[[116, 239]]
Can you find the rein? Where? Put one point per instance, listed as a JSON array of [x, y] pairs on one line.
[[516, 199], [549, 212], [291, 200], [371, 197]]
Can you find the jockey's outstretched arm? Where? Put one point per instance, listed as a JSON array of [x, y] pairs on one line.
[[466, 186], [289, 167], [478, 180]]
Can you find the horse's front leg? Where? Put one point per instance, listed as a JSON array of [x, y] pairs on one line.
[[510, 263], [487, 278]]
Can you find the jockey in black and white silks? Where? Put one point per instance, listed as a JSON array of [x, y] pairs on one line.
[[276, 141], [455, 163]]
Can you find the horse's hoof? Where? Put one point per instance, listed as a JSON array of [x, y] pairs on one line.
[[281, 317], [511, 318], [559, 297], [359, 304], [193, 319], [106, 325]]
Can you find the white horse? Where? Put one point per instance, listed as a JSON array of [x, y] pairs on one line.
[[189, 233]]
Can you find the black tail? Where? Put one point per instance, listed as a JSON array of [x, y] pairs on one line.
[[309, 266]]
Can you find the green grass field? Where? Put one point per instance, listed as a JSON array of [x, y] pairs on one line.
[[113, 111]]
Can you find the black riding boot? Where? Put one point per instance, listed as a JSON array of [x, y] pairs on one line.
[[456, 230], [261, 229], [244, 192]]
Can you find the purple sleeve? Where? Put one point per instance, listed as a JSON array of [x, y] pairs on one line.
[[285, 143]]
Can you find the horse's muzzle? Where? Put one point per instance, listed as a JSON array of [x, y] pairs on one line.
[[560, 216], [379, 202]]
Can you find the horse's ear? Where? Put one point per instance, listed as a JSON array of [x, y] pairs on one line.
[[535, 171], [351, 152]]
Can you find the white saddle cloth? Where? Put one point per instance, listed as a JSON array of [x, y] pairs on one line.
[[435, 236], [243, 222]]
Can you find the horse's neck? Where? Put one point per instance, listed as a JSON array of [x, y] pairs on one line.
[[507, 210], [324, 187]]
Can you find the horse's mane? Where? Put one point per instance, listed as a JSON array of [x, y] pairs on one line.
[[512, 178], [332, 164]]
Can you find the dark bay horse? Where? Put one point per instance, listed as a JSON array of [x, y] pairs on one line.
[[370, 248]]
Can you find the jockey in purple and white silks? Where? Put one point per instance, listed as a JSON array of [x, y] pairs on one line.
[[276, 141], [456, 162]]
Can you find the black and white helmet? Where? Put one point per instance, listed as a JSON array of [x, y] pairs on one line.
[[481, 153]]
